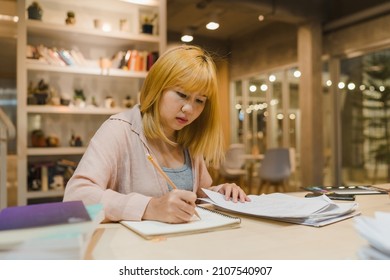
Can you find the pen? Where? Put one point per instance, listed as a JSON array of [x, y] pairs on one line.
[[155, 164]]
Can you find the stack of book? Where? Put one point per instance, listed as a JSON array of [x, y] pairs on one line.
[[57, 230], [134, 60], [54, 56], [376, 230], [129, 60]]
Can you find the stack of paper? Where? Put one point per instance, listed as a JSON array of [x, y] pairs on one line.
[[59, 230], [376, 231], [316, 211]]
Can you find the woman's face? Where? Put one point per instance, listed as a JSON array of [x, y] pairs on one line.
[[178, 109]]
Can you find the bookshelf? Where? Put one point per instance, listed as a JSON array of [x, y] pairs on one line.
[[105, 87]]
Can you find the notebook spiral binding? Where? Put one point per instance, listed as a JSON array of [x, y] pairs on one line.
[[219, 213]]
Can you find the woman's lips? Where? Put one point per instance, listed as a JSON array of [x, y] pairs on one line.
[[182, 120]]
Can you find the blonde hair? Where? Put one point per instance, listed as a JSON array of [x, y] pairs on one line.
[[191, 69]]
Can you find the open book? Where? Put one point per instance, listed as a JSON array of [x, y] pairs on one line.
[[316, 211], [210, 220]]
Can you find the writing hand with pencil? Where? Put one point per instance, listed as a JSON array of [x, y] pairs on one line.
[[177, 206]]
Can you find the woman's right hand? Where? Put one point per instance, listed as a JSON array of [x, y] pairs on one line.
[[177, 206]]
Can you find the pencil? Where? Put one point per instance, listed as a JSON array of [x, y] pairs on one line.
[[155, 164]]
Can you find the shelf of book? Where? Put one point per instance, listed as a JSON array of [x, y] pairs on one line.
[[72, 77]]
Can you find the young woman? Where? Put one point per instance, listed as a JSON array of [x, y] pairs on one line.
[[177, 123]]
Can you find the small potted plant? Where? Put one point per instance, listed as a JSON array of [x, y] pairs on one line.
[[147, 24], [71, 18], [79, 98], [35, 11]]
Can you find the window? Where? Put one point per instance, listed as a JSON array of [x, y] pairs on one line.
[[364, 88]]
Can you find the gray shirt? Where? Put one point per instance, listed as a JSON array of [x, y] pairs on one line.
[[181, 177]]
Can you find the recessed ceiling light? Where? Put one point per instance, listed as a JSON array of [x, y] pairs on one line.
[[212, 25], [186, 38]]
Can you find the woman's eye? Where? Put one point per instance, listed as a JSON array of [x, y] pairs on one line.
[[200, 101], [182, 95]]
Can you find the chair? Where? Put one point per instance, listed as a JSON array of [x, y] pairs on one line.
[[233, 167], [275, 170]]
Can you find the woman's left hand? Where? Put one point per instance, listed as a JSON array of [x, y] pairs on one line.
[[233, 192]]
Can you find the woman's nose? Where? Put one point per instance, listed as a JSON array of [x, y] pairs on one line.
[[187, 108]]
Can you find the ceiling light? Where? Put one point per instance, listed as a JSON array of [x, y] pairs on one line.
[[262, 17], [186, 38], [351, 86], [187, 35], [252, 88], [297, 73], [212, 25]]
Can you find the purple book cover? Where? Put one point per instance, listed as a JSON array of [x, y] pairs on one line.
[[44, 214]]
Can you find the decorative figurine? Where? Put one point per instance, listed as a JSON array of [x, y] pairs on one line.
[[124, 25], [128, 102], [52, 141], [75, 141]]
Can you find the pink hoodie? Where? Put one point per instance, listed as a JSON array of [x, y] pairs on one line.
[[115, 171]]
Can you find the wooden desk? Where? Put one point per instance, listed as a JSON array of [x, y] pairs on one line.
[[256, 239]]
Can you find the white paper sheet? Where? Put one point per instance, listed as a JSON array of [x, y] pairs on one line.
[[316, 211]]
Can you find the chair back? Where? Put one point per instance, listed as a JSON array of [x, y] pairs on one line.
[[234, 156], [276, 166], [233, 167]]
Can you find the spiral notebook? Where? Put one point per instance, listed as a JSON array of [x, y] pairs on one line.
[[211, 220]]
